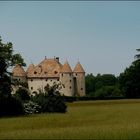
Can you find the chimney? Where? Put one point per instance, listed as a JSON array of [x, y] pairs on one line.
[[57, 59]]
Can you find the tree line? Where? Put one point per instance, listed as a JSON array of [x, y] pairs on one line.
[[127, 84]]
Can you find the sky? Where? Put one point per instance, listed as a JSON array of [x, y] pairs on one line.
[[102, 35]]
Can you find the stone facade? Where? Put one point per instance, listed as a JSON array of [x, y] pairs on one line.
[[51, 71]]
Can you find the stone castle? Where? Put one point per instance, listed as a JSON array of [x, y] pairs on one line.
[[51, 71]]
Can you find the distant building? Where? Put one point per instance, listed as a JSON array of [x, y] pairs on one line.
[[49, 71]]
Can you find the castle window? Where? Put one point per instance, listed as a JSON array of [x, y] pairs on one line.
[[46, 79], [81, 88], [31, 80], [70, 81], [51, 80], [31, 88], [70, 74], [76, 74], [55, 72], [18, 79], [62, 74], [57, 79], [63, 86], [45, 72], [35, 72], [70, 87]]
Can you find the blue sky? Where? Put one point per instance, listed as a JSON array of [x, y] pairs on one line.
[[102, 35]]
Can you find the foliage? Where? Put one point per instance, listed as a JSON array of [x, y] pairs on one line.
[[108, 91], [130, 79], [22, 94], [5, 81], [137, 56], [31, 108], [51, 100], [6, 52], [90, 83], [96, 84], [16, 82], [10, 106]]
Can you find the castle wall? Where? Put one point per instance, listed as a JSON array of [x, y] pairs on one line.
[[37, 83], [68, 84], [80, 84]]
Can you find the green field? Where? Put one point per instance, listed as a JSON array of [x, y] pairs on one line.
[[118, 119]]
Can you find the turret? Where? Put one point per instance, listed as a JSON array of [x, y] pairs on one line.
[[30, 70], [19, 73], [79, 80], [66, 78]]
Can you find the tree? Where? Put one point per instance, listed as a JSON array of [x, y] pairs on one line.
[[94, 83], [8, 104], [6, 53], [90, 83], [7, 59], [130, 79], [137, 56]]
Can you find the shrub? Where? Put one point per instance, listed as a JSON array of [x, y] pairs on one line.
[[22, 94], [31, 108], [50, 100], [11, 107]]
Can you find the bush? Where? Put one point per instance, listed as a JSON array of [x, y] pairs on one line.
[[50, 103], [11, 107], [22, 94], [31, 108]]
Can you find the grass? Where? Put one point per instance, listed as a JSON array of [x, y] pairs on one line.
[[114, 119]]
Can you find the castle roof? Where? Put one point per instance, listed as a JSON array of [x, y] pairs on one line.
[[30, 68], [18, 71], [47, 68], [66, 68], [78, 68]]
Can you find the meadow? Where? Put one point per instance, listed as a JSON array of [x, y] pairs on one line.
[[110, 119]]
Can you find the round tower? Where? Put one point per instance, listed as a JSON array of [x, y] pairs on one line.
[[19, 73], [66, 79], [79, 80]]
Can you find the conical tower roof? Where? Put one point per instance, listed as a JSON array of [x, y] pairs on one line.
[[30, 68], [78, 68], [18, 71], [66, 68]]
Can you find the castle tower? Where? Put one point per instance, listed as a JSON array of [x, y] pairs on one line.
[[66, 78], [79, 80], [19, 73], [30, 69]]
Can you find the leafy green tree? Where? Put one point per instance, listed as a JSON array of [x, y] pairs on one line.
[[5, 81], [7, 53], [94, 83], [7, 59], [90, 83], [108, 91], [137, 56], [130, 80], [8, 104]]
